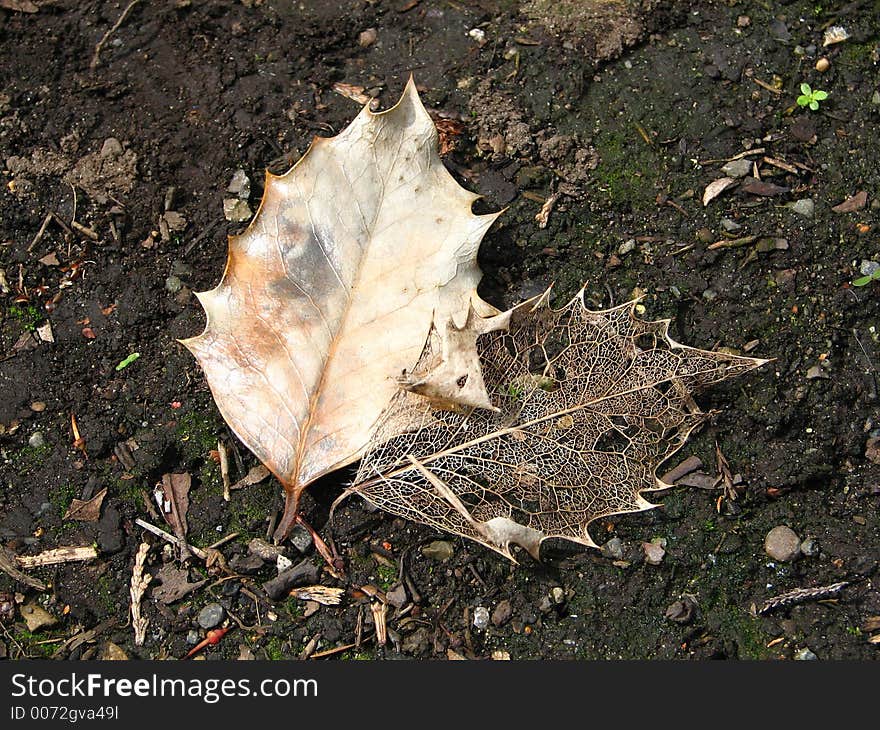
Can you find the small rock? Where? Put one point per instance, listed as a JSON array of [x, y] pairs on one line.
[[823, 64], [301, 539], [111, 148], [868, 268], [236, 211], [729, 225], [367, 37], [805, 655], [743, 21], [397, 596], [282, 563], [38, 406], [36, 617], [613, 549], [809, 547], [37, 440], [264, 550], [192, 637], [113, 653], [246, 564], [557, 595], [782, 544], [240, 185], [211, 616], [501, 615], [737, 168], [481, 617], [654, 552], [173, 284], [704, 235], [245, 654], [439, 550], [626, 247], [499, 655], [110, 535], [804, 207]]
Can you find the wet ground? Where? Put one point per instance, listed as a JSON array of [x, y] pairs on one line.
[[628, 113]]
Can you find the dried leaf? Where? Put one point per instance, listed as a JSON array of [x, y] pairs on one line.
[[172, 496], [850, 205], [255, 475], [86, 510], [588, 405], [330, 293], [765, 189], [174, 584], [714, 189], [22, 6]]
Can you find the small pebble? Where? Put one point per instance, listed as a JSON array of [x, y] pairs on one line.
[[111, 148], [236, 211], [211, 616], [300, 538], [481, 617], [682, 611], [822, 64], [439, 550], [36, 617], [866, 268], [654, 552], [173, 284], [240, 185], [557, 595], [502, 613], [782, 544], [804, 207], [809, 547], [704, 235], [367, 37], [729, 225], [38, 406], [613, 549], [737, 168], [805, 655], [192, 637], [743, 21], [626, 247], [37, 440]]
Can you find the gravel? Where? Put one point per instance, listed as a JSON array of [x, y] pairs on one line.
[[782, 544], [211, 616]]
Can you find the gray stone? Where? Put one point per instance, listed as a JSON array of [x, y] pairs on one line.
[[810, 547], [396, 596], [192, 637], [173, 284], [737, 168], [782, 544], [805, 655], [36, 617], [211, 616], [613, 549], [37, 440], [729, 225], [557, 595], [626, 247], [300, 538], [439, 550], [246, 564], [481, 617], [805, 207], [240, 185], [867, 268], [236, 211]]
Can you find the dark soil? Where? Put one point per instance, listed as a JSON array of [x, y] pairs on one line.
[[630, 116]]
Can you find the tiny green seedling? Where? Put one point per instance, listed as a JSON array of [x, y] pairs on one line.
[[811, 98], [865, 280], [128, 361]]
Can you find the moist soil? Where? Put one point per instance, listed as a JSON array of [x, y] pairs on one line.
[[627, 112]]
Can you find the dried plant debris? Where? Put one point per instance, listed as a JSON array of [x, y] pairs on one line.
[[332, 289], [584, 407]]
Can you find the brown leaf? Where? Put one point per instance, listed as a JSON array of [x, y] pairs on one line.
[[175, 584], [255, 475], [587, 406], [22, 6], [714, 189], [331, 291], [766, 189], [172, 496], [850, 205], [86, 510]]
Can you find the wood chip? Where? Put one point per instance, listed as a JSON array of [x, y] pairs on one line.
[[714, 189], [324, 595], [850, 205]]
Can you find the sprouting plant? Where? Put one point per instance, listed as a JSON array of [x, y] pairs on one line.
[[811, 98], [865, 280]]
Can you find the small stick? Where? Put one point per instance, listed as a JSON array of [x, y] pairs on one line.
[[96, 57], [43, 227], [380, 610], [57, 556], [139, 583], [85, 230], [174, 540], [747, 153], [224, 540], [224, 468], [329, 652], [6, 565]]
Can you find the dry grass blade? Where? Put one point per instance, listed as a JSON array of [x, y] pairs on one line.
[[331, 291], [588, 405]]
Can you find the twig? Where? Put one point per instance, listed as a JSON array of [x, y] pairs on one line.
[[198, 552], [96, 56], [223, 540], [139, 583], [46, 221], [224, 468], [7, 566], [57, 556], [543, 215], [335, 650], [800, 595]]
